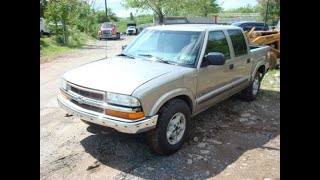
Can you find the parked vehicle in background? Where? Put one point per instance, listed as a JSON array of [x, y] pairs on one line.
[[156, 85], [44, 30], [108, 30], [248, 25], [132, 29]]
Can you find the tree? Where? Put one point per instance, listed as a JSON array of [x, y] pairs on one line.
[[43, 6], [101, 16], [203, 7], [246, 9], [64, 11], [273, 10], [196, 8], [160, 7], [131, 16]]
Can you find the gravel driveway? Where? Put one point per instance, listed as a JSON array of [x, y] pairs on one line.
[[232, 140]]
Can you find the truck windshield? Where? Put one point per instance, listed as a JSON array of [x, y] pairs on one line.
[[174, 47], [107, 25]]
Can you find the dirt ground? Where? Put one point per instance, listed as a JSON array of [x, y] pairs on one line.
[[232, 140]]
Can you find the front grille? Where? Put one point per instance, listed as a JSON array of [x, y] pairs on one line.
[[88, 107], [106, 31], [88, 94], [130, 31]]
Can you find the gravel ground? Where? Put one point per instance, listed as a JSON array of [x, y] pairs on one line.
[[232, 140]]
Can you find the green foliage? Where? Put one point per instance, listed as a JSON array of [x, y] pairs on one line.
[[176, 8], [43, 7], [160, 8], [122, 26], [64, 11], [246, 9], [273, 10], [101, 16]]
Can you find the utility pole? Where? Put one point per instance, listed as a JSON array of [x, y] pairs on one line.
[[266, 18], [105, 5]]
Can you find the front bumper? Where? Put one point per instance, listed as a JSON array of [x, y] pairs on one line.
[[131, 32], [97, 118], [107, 36]]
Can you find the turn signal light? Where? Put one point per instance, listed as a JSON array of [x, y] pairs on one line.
[[125, 115]]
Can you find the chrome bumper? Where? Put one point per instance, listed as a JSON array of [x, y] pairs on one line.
[[101, 119]]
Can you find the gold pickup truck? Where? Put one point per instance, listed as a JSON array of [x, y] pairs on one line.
[[163, 78]]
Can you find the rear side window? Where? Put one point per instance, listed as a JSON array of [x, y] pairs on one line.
[[238, 42], [217, 42]]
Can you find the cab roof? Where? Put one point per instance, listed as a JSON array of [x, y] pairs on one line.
[[192, 27]]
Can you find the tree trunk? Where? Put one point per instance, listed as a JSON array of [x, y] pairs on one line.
[[65, 34], [161, 18]]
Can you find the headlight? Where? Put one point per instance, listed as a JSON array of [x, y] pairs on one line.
[[121, 99], [63, 84]]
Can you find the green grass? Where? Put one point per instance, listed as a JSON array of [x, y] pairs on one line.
[[51, 47]]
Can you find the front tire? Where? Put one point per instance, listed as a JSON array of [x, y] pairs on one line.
[[251, 92], [172, 128]]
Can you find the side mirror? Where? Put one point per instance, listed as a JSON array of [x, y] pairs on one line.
[[214, 58], [123, 47]]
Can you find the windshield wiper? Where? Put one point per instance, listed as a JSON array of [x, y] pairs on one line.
[[127, 55], [157, 58]]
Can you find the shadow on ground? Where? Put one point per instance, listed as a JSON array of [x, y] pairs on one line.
[[226, 134]]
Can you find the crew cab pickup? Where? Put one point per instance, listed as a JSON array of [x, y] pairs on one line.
[[163, 78]]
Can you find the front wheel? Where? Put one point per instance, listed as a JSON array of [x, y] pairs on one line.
[[172, 128], [251, 92]]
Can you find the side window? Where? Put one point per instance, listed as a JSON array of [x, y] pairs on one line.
[[238, 42], [248, 26], [217, 42]]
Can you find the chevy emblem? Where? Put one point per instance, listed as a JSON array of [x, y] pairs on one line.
[[80, 100]]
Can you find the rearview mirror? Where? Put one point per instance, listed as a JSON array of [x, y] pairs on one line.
[[214, 58]]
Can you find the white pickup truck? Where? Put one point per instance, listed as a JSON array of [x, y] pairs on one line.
[[43, 28], [163, 78]]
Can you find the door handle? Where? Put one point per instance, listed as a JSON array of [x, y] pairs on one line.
[[248, 60], [231, 66]]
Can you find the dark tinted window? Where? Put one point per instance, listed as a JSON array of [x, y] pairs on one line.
[[217, 42], [261, 26], [238, 42]]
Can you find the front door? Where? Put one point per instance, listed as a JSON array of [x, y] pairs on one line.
[[214, 81]]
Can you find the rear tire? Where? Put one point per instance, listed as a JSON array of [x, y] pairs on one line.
[[174, 119], [251, 92]]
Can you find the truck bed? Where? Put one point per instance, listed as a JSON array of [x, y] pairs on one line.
[[259, 53]]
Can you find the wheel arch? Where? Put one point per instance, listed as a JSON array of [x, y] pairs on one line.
[[180, 93]]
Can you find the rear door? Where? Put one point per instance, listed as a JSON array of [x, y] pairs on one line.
[[242, 60]]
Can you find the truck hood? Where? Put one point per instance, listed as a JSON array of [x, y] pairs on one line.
[[120, 74], [101, 29]]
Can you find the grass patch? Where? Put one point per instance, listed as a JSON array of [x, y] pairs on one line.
[[269, 93], [53, 46]]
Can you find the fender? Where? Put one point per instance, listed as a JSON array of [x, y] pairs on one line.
[[259, 64], [169, 95]]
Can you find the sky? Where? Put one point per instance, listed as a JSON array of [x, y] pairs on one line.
[[121, 11]]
